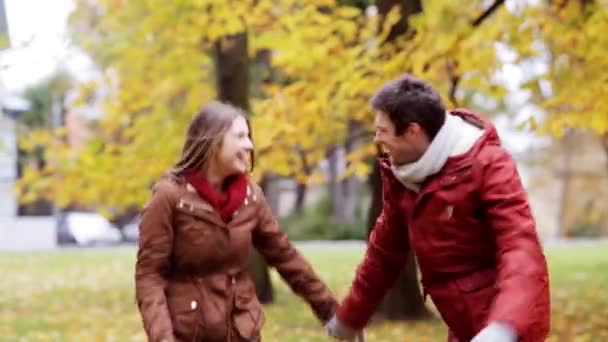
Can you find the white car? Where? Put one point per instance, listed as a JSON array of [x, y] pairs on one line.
[[86, 228], [130, 231]]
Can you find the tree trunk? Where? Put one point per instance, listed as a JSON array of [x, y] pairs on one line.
[[404, 301], [232, 80], [343, 193], [270, 186], [334, 186], [350, 184], [232, 70], [301, 190], [265, 291], [261, 278], [375, 205]]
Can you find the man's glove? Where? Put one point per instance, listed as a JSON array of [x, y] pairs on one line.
[[496, 332], [339, 330]]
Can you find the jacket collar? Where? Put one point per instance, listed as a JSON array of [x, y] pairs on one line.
[[453, 164]]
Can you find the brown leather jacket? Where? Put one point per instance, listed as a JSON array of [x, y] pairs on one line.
[[191, 276]]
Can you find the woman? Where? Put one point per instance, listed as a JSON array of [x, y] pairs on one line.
[[196, 234]]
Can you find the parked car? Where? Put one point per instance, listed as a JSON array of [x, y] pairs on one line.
[[86, 229], [130, 231]]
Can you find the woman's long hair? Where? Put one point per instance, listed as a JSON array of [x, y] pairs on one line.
[[205, 134]]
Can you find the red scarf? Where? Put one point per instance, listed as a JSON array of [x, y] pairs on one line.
[[226, 202]]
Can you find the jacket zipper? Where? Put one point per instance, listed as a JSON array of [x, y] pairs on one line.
[[231, 282]]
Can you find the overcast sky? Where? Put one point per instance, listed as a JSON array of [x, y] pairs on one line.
[[39, 43]]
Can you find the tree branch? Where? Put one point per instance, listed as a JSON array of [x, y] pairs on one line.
[[487, 13], [306, 168], [451, 66], [475, 23]]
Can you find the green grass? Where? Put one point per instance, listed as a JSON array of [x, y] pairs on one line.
[[88, 296]]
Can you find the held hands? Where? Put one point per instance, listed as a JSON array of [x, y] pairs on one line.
[[342, 332], [496, 332]]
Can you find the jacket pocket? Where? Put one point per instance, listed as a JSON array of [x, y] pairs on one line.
[[452, 309], [479, 290], [247, 316], [185, 317], [464, 303]]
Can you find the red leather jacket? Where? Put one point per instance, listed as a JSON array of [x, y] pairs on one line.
[[475, 240]]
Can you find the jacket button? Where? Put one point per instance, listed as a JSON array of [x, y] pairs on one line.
[[193, 305]]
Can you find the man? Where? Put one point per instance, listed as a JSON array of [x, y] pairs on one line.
[[453, 194]]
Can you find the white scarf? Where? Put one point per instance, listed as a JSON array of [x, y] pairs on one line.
[[455, 137]]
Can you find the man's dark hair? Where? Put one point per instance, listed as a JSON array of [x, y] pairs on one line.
[[408, 99]]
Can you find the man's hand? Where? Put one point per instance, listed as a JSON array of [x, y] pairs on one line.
[[342, 332], [496, 332]]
